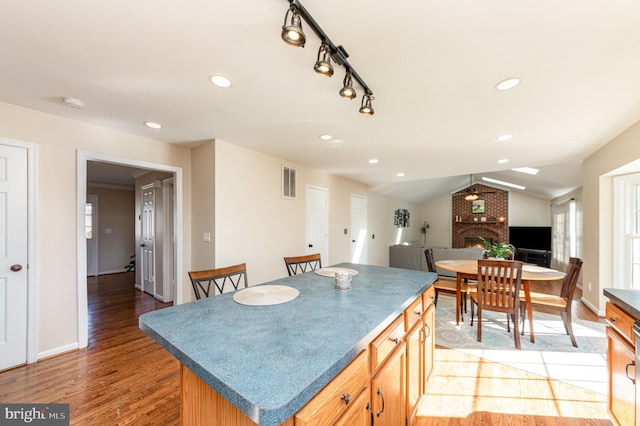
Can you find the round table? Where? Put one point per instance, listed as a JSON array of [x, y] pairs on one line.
[[468, 269]]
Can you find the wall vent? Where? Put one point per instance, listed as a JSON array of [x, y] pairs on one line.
[[288, 182]]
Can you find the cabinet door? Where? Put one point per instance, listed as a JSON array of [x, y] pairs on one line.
[[622, 397], [414, 363], [360, 413], [428, 346], [388, 390]]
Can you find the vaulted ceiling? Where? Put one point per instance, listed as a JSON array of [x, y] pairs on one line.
[[432, 66]]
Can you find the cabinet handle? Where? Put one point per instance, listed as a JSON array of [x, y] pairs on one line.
[[427, 330], [368, 407], [382, 398], [394, 340], [611, 319], [346, 398], [418, 313], [626, 370], [423, 336]]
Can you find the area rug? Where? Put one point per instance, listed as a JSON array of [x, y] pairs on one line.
[[552, 355]]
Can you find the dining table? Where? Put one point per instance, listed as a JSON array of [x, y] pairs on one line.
[[468, 270]]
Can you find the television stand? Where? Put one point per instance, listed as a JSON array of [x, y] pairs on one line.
[[537, 257]]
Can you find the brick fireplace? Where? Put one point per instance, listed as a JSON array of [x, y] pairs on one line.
[[491, 224]]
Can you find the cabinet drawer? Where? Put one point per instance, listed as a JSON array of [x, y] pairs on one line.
[[428, 296], [337, 396], [621, 321], [386, 342], [413, 314]]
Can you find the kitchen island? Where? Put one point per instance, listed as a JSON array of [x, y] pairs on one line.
[[269, 361]]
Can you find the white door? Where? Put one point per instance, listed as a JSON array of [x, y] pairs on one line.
[[358, 229], [13, 256], [148, 239], [91, 232], [317, 228]]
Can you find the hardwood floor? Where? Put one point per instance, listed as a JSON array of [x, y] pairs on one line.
[[122, 378], [125, 378]]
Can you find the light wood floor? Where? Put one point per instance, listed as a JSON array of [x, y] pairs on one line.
[[125, 378]]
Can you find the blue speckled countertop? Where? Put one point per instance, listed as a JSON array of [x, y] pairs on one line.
[[627, 299], [270, 360]]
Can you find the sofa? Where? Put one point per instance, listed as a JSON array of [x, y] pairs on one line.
[[411, 256]]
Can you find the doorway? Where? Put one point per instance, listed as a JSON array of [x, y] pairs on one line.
[[176, 239], [358, 229], [317, 218]]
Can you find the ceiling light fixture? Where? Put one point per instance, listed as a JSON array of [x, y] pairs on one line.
[[400, 174], [500, 182], [326, 137], [472, 197], [502, 161], [152, 125], [527, 170], [293, 35], [347, 91], [323, 65], [365, 106], [507, 84], [373, 161], [504, 138], [220, 80]]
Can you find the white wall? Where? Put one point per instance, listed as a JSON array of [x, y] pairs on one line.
[[526, 210], [58, 140], [255, 225], [598, 170]]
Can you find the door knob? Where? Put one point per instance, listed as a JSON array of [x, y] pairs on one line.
[[16, 268]]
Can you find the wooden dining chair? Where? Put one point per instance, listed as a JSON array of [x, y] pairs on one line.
[[302, 264], [446, 285], [558, 304], [498, 290], [202, 281]]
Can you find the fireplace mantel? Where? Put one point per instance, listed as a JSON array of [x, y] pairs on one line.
[[468, 224]]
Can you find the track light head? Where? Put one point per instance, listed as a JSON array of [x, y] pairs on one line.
[[365, 107], [292, 34], [347, 91], [323, 64]]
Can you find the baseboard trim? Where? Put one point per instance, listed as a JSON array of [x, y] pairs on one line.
[[58, 351], [593, 309]]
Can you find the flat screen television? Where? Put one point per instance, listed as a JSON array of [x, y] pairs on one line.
[[530, 237]]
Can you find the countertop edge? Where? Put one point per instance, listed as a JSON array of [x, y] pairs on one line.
[[280, 414]]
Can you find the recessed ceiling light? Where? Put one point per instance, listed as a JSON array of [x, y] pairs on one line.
[[504, 138], [152, 125], [373, 161], [507, 84], [500, 182], [326, 137], [220, 80], [504, 160], [527, 170], [400, 174]]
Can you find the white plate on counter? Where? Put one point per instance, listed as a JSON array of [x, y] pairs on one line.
[[264, 295], [331, 272]]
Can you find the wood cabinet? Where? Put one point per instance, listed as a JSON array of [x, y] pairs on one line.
[[388, 390], [360, 413], [342, 394], [621, 365]]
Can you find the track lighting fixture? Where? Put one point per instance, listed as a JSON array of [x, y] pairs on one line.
[[323, 65], [347, 91], [365, 107], [293, 35]]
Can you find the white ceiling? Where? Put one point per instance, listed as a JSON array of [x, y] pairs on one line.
[[432, 66]]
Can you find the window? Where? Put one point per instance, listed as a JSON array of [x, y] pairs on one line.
[[564, 237], [627, 231], [88, 218]]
